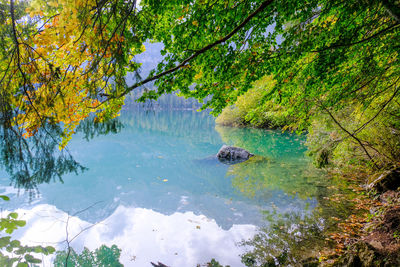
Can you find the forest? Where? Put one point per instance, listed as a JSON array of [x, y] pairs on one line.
[[323, 74]]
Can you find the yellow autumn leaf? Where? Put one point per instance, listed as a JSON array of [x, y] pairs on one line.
[[198, 75]]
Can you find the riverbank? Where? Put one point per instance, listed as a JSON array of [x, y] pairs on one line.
[[370, 235], [378, 243]]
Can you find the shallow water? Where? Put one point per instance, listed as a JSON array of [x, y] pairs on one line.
[[156, 190]]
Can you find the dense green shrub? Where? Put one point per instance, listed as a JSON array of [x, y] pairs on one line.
[[362, 135], [360, 138], [231, 116], [250, 109]]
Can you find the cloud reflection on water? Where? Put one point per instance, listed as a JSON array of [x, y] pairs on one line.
[[179, 239]]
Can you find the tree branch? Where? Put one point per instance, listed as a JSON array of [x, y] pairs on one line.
[[333, 46], [67, 240], [195, 54], [380, 110], [353, 136]]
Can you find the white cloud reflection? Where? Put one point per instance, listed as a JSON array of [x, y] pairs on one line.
[[179, 239]]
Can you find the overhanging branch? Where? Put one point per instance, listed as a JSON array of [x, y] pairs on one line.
[[196, 53]]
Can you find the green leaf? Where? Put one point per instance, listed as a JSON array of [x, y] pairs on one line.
[[31, 259], [38, 249], [6, 198], [50, 249], [15, 243], [4, 241], [21, 251], [20, 223], [13, 215]]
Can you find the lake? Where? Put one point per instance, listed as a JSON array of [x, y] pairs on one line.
[[157, 191]]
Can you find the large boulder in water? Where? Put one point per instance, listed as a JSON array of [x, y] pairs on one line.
[[233, 153]]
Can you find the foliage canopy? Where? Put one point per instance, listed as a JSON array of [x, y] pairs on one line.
[[63, 60]]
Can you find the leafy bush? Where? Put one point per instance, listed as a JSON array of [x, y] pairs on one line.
[[252, 109], [231, 116], [362, 134], [102, 257]]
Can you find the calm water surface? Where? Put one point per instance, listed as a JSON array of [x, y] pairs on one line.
[[156, 191]]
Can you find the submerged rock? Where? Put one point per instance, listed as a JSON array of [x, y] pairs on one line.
[[230, 161], [389, 180], [211, 160], [232, 153]]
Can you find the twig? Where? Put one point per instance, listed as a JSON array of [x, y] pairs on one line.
[[67, 240]]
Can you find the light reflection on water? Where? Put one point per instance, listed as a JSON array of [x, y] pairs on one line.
[[159, 174]]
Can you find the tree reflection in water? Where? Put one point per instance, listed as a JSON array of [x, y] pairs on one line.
[[38, 159], [287, 238], [294, 237], [291, 239]]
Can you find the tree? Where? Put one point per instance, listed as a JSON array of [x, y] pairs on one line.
[[326, 57], [70, 58], [58, 58]]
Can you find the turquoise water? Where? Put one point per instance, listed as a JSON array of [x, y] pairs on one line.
[[156, 190]]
